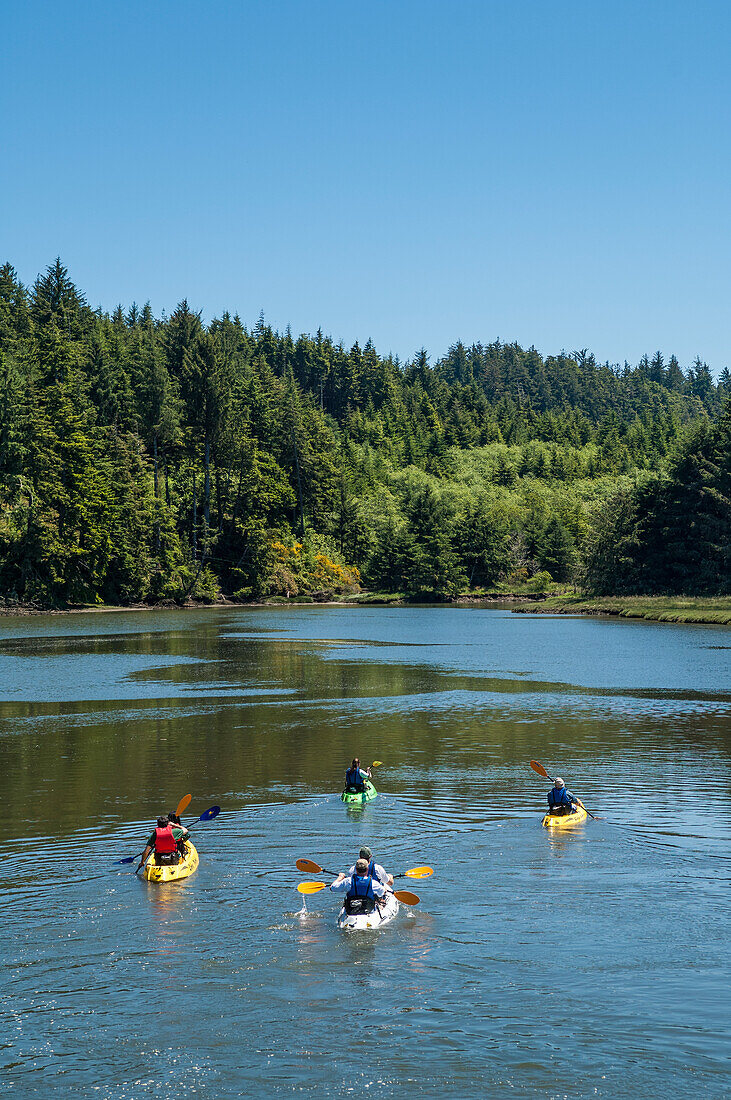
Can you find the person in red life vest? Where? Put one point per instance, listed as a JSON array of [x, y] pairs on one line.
[[162, 841]]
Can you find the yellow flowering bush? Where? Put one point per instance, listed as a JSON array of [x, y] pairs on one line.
[[300, 569]]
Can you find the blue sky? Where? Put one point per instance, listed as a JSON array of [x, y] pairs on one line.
[[553, 173]]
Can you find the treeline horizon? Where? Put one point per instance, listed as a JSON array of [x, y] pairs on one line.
[[146, 458]]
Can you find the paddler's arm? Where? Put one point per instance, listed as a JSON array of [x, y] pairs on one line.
[[341, 884], [383, 876], [145, 854]]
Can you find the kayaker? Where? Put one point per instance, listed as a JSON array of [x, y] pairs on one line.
[[163, 842], [560, 799], [179, 830], [374, 869], [362, 891], [355, 778]]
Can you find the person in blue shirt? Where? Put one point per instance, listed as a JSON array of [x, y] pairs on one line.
[[560, 799], [362, 891], [355, 778]]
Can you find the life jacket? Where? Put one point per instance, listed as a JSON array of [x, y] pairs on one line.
[[353, 778], [361, 886], [165, 841], [560, 797]]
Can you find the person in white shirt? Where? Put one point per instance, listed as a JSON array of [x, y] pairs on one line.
[[374, 868]]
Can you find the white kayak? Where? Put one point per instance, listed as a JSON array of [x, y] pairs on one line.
[[381, 915]]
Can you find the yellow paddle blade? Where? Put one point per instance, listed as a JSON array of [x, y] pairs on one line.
[[311, 887], [183, 804], [419, 872], [308, 867], [540, 769], [407, 897], [376, 763]]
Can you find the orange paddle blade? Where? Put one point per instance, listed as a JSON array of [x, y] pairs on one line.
[[311, 887], [419, 872], [540, 769], [407, 897], [308, 867], [183, 804]]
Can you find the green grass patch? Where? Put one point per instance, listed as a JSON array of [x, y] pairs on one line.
[[664, 609]]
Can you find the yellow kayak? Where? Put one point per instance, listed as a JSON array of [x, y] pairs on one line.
[[175, 871], [565, 821]]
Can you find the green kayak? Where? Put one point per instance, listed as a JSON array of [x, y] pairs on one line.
[[357, 798]]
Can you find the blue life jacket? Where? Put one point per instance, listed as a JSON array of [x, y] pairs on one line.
[[353, 778], [361, 886], [372, 869], [560, 797]]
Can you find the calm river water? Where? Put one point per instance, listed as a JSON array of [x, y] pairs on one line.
[[590, 964]]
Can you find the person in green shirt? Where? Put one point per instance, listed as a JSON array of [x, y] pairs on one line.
[[179, 830]]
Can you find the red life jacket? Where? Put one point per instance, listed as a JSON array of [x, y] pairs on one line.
[[164, 840]]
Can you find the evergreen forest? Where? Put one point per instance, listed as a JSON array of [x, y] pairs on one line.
[[159, 459]]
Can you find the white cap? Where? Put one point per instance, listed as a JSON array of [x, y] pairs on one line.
[[558, 782]]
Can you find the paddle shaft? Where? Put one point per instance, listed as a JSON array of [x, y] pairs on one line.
[[403, 874], [404, 896], [591, 815], [141, 865], [309, 867]]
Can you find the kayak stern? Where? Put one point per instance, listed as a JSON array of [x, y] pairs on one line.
[[173, 872]]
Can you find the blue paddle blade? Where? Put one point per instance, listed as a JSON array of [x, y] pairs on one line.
[[210, 814], [129, 859]]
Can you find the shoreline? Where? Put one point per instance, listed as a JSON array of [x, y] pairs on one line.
[[669, 609], [366, 599]]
